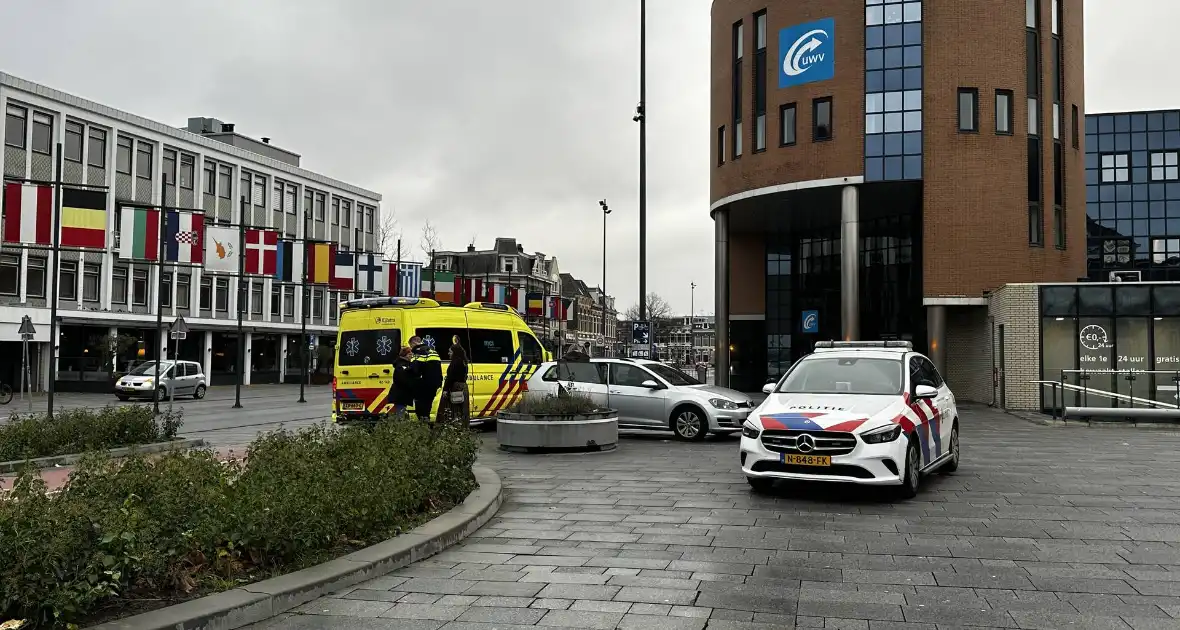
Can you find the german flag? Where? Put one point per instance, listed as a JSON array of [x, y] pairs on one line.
[[83, 218]]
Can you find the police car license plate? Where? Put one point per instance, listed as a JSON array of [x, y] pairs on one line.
[[807, 460], [352, 406]]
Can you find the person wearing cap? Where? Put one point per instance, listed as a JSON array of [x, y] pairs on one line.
[[404, 381], [428, 377]]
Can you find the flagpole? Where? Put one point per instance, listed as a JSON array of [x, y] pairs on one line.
[[240, 305], [397, 286], [56, 274], [433, 272], [163, 230], [305, 349]]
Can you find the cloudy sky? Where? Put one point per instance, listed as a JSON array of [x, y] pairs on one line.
[[487, 118]]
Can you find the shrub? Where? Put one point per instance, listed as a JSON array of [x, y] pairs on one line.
[[158, 527], [571, 403], [27, 436]]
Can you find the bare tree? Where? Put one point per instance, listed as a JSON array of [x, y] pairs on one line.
[[657, 309], [387, 236], [430, 242]]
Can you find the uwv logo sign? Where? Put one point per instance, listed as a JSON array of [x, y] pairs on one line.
[[807, 53]]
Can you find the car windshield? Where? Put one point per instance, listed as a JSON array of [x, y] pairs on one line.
[[149, 369], [672, 375], [844, 375]]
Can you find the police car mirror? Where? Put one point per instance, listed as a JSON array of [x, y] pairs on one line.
[[925, 391], [768, 388]]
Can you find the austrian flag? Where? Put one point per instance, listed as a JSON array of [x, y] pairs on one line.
[[262, 248]]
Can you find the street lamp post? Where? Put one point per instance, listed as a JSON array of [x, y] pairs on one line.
[[641, 118], [692, 320], [602, 297]]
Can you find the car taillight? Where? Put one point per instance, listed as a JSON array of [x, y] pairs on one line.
[[333, 387], [524, 386]]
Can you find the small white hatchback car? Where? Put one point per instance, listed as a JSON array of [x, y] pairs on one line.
[[863, 412]]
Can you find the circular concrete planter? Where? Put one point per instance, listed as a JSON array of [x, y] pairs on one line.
[[530, 433]]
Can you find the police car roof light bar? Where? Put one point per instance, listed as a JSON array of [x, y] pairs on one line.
[[832, 345]]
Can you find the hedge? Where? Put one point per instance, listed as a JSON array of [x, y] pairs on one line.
[[28, 436], [181, 524]]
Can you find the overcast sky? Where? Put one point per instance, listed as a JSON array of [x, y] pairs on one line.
[[505, 118]]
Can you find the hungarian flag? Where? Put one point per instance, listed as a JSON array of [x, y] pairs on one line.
[[184, 239], [262, 248], [289, 267], [28, 214], [83, 218], [139, 233], [321, 259]]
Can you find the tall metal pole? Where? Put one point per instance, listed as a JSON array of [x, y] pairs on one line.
[[692, 321], [642, 159], [160, 356], [305, 298], [241, 306], [397, 283], [56, 274], [605, 211]]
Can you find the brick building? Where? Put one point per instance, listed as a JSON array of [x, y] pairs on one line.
[[885, 166]]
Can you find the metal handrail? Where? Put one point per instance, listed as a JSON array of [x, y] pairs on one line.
[[1086, 389]]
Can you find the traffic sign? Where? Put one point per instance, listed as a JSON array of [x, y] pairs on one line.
[[27, 330], [640, 351], [178, 334], [600, 339], [641, 333]]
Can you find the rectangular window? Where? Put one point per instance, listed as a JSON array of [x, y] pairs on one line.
[[491, 346], [259, 190], [119, 285], [736, 88], [1058, 196], [288, 301], [276, 196], [1059, 227], [91, 281], [206, 296], [968, 110], [1004, 112], [16, 121], [1036, 227], [67, 286], [9, 274], [225, 175], [335, 211], [821, 116], [1114, 167], [1033, 126], [36, 277], [787, 124], [1163, 166], [123, 155], [210, 170], [256, 297], [1032, 10], [721, 145], [760, 82], [289, 198], [317, 304], [739, 45], [97, 156], [74, 133], [1056, 17], [143, 161], [169, 166], [345, 214], [187, 163], [319, 206], [369, 211], [222, 295], [42, 133], [183, 292], [166, 290], [139, 287]]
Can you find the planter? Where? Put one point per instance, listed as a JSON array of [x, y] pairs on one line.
[[532, 433]]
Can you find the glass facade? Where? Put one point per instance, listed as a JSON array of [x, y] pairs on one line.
[[893, 90], [1133, 194], [1122, 339]]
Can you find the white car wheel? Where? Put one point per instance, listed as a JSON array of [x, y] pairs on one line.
[[913, 466], [953, 465]]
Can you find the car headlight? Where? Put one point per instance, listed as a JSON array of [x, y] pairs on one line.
[[750, 431], [722, 403], [882, 435]]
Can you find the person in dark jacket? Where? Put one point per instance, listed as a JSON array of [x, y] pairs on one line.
[[427, 371], [404, 383], [455, 406]]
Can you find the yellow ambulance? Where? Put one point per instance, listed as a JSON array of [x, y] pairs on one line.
[[502, 352]]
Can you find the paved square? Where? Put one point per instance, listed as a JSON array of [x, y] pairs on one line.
[[1041, 528]]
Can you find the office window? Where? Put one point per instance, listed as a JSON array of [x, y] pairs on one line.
[[42, 133], [123, 155], [289, 199], [119, 285], [16, 121], [187, 163], [1036, 227], [256, 297], [1115, 169], [821, 116], [97, 156], [319, 206], [307, 203], [1056, 4], [335, 211], [721, 145], [166, 290], [333, 308], [345, 214], [91, 281], [74, 134], [1163, 166], [143, 161], [206, 296], [225, 175], [9, 274], [288, 301], [222, 295], [787, 124], [317, 303], [1004, 112], [736, 88], [183, 290], [259, 190], [276, 196], [169, 166], [139, 287], [1032, 11], [67, 286], [760, 82], [1058, 196], [36, 277], [968, 110], [369, 211], [210, 171]]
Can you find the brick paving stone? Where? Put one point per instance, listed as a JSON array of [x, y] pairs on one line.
[[582, 619], [492, 614]]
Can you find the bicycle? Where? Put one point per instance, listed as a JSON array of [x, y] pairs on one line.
[[5, 394]]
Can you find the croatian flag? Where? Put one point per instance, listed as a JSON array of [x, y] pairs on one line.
[[185, 240], [345, 272], [369, 273]]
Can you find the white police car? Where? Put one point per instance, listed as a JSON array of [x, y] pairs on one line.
[[863, 412]]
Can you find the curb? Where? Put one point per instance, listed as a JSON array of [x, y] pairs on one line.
[[69, 460], [262, 600]]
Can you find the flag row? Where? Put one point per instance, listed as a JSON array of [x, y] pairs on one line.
[[447, 287], [28, 216]]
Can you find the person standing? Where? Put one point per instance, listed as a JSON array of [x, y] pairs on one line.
[[404, 381], [455, 406], [427, 372]]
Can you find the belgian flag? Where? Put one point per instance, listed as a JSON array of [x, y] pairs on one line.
[[83, 218]]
